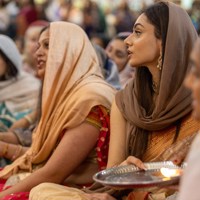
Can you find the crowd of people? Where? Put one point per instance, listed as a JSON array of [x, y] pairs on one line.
[[71, 105]]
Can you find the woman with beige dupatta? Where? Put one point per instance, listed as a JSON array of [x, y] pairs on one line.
[[151, 117], [74, 114]]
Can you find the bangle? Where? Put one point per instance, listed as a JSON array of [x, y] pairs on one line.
[[5, 150], [30, 121], [17, 153]]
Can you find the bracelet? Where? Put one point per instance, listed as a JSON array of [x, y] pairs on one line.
[[17, 152], [30, 121], [5, 150]]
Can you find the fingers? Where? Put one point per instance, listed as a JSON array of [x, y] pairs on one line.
[[131, 160], [179, 157], [177, 160]]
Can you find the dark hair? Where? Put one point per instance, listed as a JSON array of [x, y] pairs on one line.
[[122, 35], [44, 29], [158, 16], [11, 71]]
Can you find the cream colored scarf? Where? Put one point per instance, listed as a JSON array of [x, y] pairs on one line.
[[73, 84], [20, 94]]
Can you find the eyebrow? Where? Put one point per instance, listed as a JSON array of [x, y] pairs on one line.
[[138, 24], [44, 40]]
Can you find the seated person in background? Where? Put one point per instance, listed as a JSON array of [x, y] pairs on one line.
[[19, 91], [109, 68], [70, 142], [117, 51], [30, 43], [21, 131], [189, 185], [153, 113], [100, 39]]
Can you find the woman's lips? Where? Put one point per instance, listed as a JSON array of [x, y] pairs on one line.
[[130, 53], [40, 64]]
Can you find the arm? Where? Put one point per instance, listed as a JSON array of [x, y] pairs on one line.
[[9, 137], [25, 121], [117, 148], [69, 154], [11, 151]]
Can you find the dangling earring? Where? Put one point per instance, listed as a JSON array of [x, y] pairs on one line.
[[159, 65]]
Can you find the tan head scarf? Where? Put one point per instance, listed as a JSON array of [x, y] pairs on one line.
[[73, 84], [174, 100]]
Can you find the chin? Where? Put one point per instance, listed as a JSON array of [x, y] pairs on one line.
[[40, 74], [196, 115], [134, 64]]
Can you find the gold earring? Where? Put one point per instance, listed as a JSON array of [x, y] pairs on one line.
[[159, 65]]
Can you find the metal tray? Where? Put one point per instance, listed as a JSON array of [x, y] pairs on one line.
[[130, 176]]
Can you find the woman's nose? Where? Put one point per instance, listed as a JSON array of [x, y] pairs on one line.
[[38, 52], [128, 41]]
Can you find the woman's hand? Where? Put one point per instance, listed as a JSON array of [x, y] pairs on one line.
[[179, 157], [99, 196], [131, 160], [178, 151]]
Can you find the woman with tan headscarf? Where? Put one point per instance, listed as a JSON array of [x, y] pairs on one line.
[[153, 112], [74, 114]]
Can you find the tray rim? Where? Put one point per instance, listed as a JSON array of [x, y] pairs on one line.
[[156, 183]]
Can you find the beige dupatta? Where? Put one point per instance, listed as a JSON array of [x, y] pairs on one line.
[[73, 84]]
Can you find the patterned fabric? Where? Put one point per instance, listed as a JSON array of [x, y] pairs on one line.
[[17, 196], [99, 117], [7, 118], [162, 140]]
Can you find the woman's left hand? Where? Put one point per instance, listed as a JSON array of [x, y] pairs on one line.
[[132, 160]]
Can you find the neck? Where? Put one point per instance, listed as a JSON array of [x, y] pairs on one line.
[[155, 77]]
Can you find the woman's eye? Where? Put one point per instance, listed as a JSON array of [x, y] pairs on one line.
[[138, 33], [46, 45]]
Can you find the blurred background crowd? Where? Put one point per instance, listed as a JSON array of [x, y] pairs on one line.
[[101, 20]]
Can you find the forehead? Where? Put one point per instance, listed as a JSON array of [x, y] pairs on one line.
[[117, 43], [32, 31], [44, 35], [143, 22]]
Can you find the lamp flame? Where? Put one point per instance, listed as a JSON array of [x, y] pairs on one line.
[[167, 172]]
